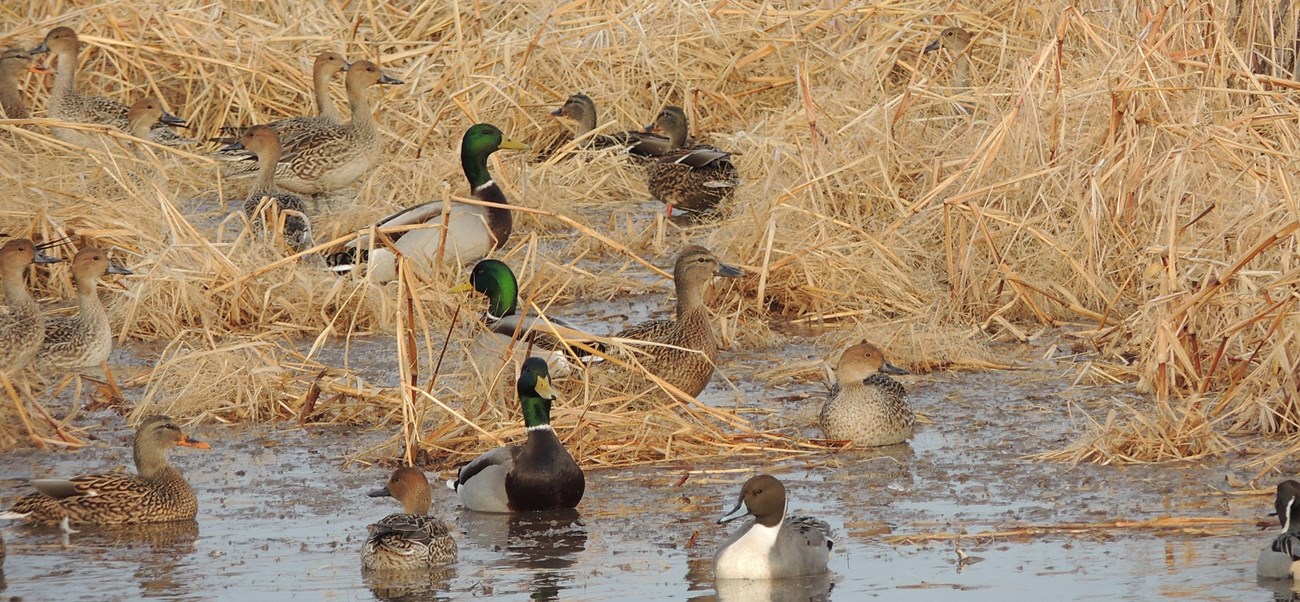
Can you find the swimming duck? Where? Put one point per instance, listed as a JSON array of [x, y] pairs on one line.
[[86, 339], [686, 349], [68, 104], [692, 178], [544, 337], [329, 157], [866, 406], [157, 493], [411, 540], [22, 325], [147, 113], [327, 64], [955, 40], [472, 231], [774, 545], [538, 475], [13, 63], [1278, 561], [581, 110], [264, 200]]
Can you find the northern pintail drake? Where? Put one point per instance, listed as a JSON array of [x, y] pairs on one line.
[[581, 110], [327, 65], [156, 493], [685, 348], [1279, 560], [146, 114], [866, 406], [14, 62], [22, 325], [955, 40], [773, 545], [541, 336], [693, 178], [330, 157], [538, 475], [265, 201], [411, 540], [86, 339], [68, 104], [472, 231]]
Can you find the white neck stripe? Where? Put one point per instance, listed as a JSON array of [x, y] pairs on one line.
[[540, 427], [484, 185]]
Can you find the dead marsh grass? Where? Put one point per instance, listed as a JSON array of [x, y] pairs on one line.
[[1124, 171]]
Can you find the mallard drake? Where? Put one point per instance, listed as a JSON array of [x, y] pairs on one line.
[[265, 201], [581, 110], [955, 40], [412, 540], [692, 178], [157, 493], [13, 63], [1279, 560], [68, 104], [326, 66], [147, 113], [538, 475], [329, 157], [86, 339], [22, 325], [866, 406], [472, 231], [684, 349], [503, 326], [774, 545]]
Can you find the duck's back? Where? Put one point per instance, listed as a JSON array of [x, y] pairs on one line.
[[872, 413], [408, 541], [111, 500]]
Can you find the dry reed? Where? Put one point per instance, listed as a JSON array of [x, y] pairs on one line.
[[1124, 172]]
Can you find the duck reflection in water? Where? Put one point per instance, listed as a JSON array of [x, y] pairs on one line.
[[547, 543]]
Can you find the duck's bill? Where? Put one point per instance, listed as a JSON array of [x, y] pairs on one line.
[[392, 81], [192, 442], [237, 145], [889, 368], [507, 143], [932, 46], [735, 513], [463, 287], [41, 69], [381, 492], [543, 388], [728, 271], [43, 258], [41, 48], [170, 119], [119, 269]]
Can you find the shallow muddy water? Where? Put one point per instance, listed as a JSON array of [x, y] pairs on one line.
[[282, 516]]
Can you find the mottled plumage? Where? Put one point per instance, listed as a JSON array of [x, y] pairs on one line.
[[866, 406], [538, 475], [692, 178], [22, 325], [581, 109], [411, 540], [266, 202], [68, 104], [1279, 559], [472, 231], [323, 70], [331, 156], [685, 347], [85, 339], [157, 493], [14, 62], [773, 545]]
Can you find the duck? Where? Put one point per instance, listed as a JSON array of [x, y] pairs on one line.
[[156, 493], [410, 540], [147, 113], [329, 157], [773, 545], [684, 349], [265, 201], [955, 40], [693, 178], [22, 325], [545, 336], [67, 104], [581, 110], [86, 339], [867, 407], [13, 63], [326, 66], [536, 476], [472, 231], [1279, 560]]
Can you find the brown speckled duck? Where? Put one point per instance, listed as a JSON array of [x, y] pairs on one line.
[[581, 110], [13, 63], [866, 406], [327, 65], [157, 493], [86, 339], [412, 540], [22, 325], [263, 142], [692, 178]]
